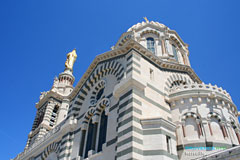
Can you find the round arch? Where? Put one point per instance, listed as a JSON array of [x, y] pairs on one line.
[[51, 151]]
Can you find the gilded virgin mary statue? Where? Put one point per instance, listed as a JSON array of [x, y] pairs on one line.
[[71, 58]]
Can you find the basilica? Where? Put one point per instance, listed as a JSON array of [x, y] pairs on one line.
[[139, 101]]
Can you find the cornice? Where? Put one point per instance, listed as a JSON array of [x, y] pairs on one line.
[[174, 32], [202, 91], [50, 94], [127, 46]]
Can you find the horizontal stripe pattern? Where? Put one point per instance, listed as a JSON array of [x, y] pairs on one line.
[[128, 112], [152, 102]]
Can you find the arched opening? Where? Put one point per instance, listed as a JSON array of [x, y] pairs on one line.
[[52, 156], [89, 138], [151, 44], [174, 49], [216, 128], [53, 118], [191, 128], [235, 135], [103, 131]]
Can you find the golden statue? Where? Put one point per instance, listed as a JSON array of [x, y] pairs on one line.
[[71, 58]]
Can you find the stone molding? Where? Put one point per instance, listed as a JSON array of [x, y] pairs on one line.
[[159, 121], [48, 96], [129, 82], [201, 91], [127, 47]]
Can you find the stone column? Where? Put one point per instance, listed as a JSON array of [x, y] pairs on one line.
[[143, 42], [82, 140], [169, 48], [128, 94], [238, 136], [185, 59], [48, 112], [63, 109], [156, 40], [94, 138], [210, 128], [206, 130], [163, 47], [183, 129], [95, 121], [179, 134], [199, 128], [223, 130], [46, 119]]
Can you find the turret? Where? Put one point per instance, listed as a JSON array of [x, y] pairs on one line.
[[64, 83], [53, 105], [157, 38], [205, 116]]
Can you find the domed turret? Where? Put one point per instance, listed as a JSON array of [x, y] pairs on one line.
[[64, 83], [158, 39], [206, 118]]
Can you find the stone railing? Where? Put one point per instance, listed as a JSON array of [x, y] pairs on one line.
[[40, 141], [213, 90]]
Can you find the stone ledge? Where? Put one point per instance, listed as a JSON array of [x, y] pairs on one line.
[[132, 81]]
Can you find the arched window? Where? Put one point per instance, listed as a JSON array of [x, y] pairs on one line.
[[191, 128], [175, 52], [103, 131], [216, 128], [52, 156], [151, 44], [232, 130], [54, 116], [89, 138]]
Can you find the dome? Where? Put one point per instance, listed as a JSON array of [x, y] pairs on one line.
[[159, 39], [142, 24]]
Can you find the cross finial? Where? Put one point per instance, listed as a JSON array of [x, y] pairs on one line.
[[147, 21]]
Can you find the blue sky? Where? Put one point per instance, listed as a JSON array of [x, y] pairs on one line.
[[35, 37]]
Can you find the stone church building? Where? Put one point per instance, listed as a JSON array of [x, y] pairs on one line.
[[139, 101]]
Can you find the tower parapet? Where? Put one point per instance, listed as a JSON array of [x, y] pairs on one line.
[[205, 116], [63, 85]]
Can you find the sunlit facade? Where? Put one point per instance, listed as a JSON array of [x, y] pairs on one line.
[[141, 100]]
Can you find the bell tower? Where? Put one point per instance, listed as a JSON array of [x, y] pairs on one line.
[[53, 105]]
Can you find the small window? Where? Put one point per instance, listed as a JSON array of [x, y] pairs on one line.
[[89, 138], [151, 44], [168, 139], [177, 83], [103, 131], [151, 74], [54, 116], [175, 52]]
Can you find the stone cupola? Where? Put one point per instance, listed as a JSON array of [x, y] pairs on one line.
[[157, 38]]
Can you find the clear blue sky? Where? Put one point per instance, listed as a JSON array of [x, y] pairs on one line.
[[35, 36]]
